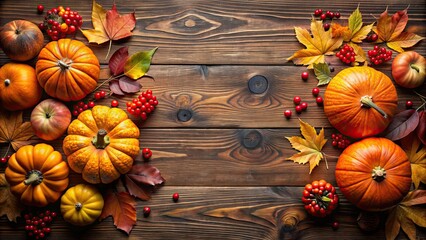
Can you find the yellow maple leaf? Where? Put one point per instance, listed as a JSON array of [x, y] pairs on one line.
[[310, 146], [319, 44], [416, 153]]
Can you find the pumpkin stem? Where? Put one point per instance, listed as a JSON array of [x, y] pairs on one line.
[[378, 174], [78, 206], [63, 65], [367, 101], [33, 177], [6, 82], [101, 140], [415, 67]]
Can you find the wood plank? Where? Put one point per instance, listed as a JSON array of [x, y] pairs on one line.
[[219, 96], [218, 213], [228, 157], [217, 32]]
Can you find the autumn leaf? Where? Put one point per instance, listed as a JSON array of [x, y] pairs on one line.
[[114, 86], [406, 215], [358, 31], [9, 203], [128, 85], [117, 60], [416, 153], [390, 29], [310, 146], [122, 207], [322, 72], [14, 131], [138, 64], [318, 45], [109, 25], [402, 124], [142, 179], [421, 128]]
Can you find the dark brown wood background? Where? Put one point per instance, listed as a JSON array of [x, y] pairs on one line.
[[228, 160]]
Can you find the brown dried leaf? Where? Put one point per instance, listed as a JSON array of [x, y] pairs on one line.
[[122, 207], [9, 203], [13, 130], [416, 153], [142, 179]]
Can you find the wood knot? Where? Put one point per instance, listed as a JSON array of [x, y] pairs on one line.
[[184, 115], [190, 23], [252, 139], [258, 84]]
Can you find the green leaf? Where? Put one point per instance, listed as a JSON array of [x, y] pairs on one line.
[[322, 72], [138, 64], [355, 21]]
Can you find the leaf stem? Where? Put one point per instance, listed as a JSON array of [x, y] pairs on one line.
[[325, 159], [112, 77], [109, 49]]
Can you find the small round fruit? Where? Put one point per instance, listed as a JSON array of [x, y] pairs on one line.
[[287, 113], [21, 40], [335, 225], [175, 197], [40, 9], [146, 153], [114, 103], [304, 105], [146, 211], [297, 100], [315, 91], [408, 104], [319, 100], [298, 109], [305, 75], [50, 119]]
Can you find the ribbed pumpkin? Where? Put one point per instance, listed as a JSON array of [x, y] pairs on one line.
[[81, 205], [374, 174], [101, 144], [37, 174], [67, 69], [360, 101]]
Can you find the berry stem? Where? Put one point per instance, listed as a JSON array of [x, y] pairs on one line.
[[325, 159], [422, 98], [8, 149], [367, 101]]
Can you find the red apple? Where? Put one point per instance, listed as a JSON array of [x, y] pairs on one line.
[[50, 119], [409, 69]]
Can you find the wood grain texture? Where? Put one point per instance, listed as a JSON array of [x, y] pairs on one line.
[[218, 213], [218, 32]]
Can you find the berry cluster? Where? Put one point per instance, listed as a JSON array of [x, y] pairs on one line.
[[340, 141], [38, 226], [302, 106], [320, 198], [143, 105], [346, 54], [379, 55], [324, 16], [60, 21], [81, 106], [372, 37], [4, 160]]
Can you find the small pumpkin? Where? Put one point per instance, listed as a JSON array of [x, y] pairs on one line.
[[67, 69], [19, 88], [101, 144], [360, 101], [37, 174], [81, 205], [374, 174]]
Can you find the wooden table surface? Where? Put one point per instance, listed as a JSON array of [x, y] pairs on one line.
[[218, 144]]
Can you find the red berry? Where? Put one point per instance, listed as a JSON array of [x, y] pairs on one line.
[[315, 91], [326, 26], [91, 104], [305, 75], [297, 100], [323, 16], [335, 225], [175, 197], [97, 96], [298, 109], [408, 104], [3, 160], [102, 94], [53, 214], [337, 15], [319, 100], [287, 113], [40, 9], [114, 103], [146, 211], [146, 153], [304, 105]]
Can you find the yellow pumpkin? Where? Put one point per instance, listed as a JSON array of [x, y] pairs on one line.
[[81, 205], [101, 144]]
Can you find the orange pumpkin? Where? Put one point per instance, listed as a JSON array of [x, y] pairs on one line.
[[19, 88], [374, 174], [37, 174], [101, 144], [67, 69], [360, 101]]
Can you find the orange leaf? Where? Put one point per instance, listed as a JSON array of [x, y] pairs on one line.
[[416, 153], [390, 29], [14, 131], [310, 146], [319, 44], [121, 206], [9, 203], [109, 25]]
